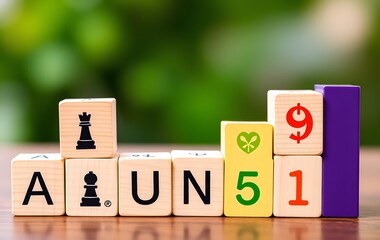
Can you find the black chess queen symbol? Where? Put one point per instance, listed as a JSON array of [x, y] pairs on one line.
[[85, 141], [90, 198]]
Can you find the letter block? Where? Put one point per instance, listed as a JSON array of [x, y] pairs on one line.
[[297, 118], [297, 186], [340, 180], [248, 178], [38, 185], [88, 128], [145, 184], [197, 183], [91, 187]]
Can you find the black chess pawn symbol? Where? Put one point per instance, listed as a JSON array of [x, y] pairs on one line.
[[85, 141], [90, 198]]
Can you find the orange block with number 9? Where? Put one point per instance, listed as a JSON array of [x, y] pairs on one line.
[[297, 118]]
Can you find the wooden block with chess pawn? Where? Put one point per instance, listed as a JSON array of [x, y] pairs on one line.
[[92, 187]]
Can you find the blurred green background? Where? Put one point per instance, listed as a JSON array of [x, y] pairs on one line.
[[177, 68]]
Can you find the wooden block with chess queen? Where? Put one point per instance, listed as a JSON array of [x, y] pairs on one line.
[[92, 187], [88, 128], [145, 184], [248, 177], [38, 185], [297, 118], [297, 186], [197, 183]]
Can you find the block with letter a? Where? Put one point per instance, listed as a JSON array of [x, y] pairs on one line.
[[38, 185]]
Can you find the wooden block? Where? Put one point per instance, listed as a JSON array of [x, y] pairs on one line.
[[297, 186], [197, 183], [91, 187], [145, 184], [340, 179], [38, 184], [248, 178], [88, 128], [297, 118]]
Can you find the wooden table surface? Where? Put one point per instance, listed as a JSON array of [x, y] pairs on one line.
[[367, 226]]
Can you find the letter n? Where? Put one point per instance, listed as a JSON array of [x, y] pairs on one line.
[[188, 176]]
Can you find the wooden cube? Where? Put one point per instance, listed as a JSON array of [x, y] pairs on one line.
[[145, 184], [297, 186], [91, 187], [38, 184], [88, 128], [197, 183], [297, 118], [248, 177]]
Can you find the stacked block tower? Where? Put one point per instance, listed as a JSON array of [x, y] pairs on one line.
[[297, 117], [91, 160]]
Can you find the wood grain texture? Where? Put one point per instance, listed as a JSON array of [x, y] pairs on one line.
[[303, 187], [367, 226], [50, 168], [106, 171], [239, 161], [102, 129], [198, 163], [279, 104], [144, 165]]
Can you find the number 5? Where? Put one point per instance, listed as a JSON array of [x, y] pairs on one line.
[[241, 185]]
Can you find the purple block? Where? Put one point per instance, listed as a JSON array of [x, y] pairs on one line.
[[341, 146]]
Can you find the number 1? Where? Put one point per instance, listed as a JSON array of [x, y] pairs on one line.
[[298, 201]]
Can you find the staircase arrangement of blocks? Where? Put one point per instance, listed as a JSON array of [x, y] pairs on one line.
[[302, 162]]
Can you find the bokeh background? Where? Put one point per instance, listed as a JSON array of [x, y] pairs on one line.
[[177, 68]]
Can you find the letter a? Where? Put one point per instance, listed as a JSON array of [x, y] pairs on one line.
[[44, 191]]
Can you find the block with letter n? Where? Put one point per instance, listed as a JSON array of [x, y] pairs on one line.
[[197, 183]]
